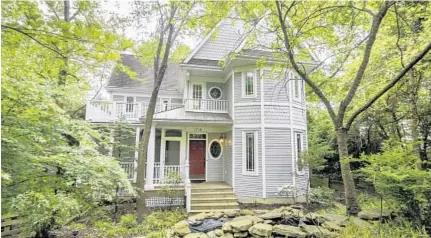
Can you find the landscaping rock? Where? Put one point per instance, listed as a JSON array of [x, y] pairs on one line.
[[211, 234], [241, 225], [374, 214], [331, 226], [227, 235], [181, 228], [261, 230], [297, 206], [288, 231], [272, 215], [360, 223], [216, 215], [339, 220], [240, 234], [226, 227], [196, 235], [200, 216], [314, 219], [247, 212], [316, 231], [232, 213], [218, 232], [254, 219]]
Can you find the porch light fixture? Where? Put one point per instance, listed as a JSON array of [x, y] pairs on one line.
[[222, 138]]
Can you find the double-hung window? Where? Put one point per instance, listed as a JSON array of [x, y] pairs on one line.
[[299, 149], [249, 153], [249, 85], [297, 87]]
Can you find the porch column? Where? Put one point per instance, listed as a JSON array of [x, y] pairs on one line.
[[150, 159], [135, 164]]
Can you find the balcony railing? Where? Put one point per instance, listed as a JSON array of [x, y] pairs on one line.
[[110, 111], [207, 105], [129, 168]]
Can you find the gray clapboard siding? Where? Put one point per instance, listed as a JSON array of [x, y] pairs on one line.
[[214, 167], [276, 114], [278, 159], [228, 93], [238, 90], [276, 86], [227, 155], [247, 186], [227, 37], [298, 116], [247, 114]]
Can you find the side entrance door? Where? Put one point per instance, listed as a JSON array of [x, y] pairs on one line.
[[197, 159]]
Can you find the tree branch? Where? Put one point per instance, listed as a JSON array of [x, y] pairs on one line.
[[303, 75], [377, 20], [390, 85]]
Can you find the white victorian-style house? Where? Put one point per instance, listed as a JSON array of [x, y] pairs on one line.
[[232, 132]]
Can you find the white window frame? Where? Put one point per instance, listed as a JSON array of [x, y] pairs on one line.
[[244, 154], [296, 155], [243, 84], [209, 149], [297, 87]]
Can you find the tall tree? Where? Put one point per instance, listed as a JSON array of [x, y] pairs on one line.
[[341, 120]]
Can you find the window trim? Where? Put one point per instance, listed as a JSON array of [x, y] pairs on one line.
[[296, 156], [221, 93], [243, 84], [209, 149], [256, 153], [296, 87]]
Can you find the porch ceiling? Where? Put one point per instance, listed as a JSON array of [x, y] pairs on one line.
[[180, 115]]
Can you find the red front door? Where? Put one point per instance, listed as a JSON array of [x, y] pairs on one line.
[[197, 158]]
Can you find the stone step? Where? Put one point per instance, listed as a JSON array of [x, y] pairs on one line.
[[214, 206], [212, 195], [228, 199], [210, 190], [192, 212]]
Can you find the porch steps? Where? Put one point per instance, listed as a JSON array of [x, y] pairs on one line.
[[212, 196]]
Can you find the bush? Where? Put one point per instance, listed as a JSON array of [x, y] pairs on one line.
[[128, 221], [399, 229], [323, 196], [397, 174]]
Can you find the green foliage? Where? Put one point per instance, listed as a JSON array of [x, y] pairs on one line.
[[398, 228], [397, 174], [323, 196], [49, 154], [155, 225]]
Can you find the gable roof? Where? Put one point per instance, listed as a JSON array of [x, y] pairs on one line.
[[145, 76]]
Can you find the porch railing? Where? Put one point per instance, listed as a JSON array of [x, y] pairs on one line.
[[109, 111], [168, 175], [207, 105], [129, 168]]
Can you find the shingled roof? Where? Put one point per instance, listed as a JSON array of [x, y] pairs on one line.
[[145, 76]]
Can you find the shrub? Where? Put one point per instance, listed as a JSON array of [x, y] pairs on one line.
[[128, 221], [399, 229], [323, 196], [397, 174]]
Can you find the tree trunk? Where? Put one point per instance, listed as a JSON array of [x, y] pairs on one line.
[[142, 155], [352, 206]]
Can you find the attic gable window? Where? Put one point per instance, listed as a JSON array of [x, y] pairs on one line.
[[248, 85]]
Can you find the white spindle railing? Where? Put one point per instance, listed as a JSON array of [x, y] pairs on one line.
[[161, 173], [129, 168], [207, 105], [109, 111]]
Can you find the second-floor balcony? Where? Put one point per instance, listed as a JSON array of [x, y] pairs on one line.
[[105, 111]]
